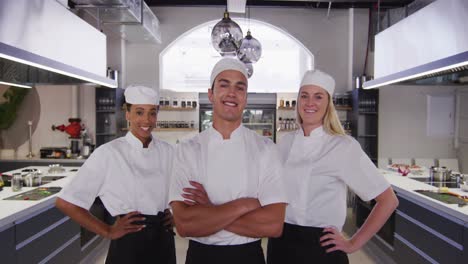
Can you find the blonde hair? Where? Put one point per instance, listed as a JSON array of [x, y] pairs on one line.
[[331, 122]]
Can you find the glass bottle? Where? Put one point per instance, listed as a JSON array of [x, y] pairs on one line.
[[16, 182]]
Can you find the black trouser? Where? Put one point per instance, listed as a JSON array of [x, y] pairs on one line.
[[301, 245], [153, 244], [250, 253]]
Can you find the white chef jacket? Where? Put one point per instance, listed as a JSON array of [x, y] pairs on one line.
[[126, 176], [246, 165], [318, 169]]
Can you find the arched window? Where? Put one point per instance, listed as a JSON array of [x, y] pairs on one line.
[[185, 64]]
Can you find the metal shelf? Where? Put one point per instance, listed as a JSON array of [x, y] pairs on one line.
[[343, 108], [169, 108]]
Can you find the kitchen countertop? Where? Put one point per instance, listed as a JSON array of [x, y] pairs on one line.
[[48, 161], [13, 211], [405, 187]]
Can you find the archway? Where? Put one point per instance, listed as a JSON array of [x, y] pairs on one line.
[[185, 64]]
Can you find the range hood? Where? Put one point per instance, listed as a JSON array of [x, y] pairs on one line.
[[133, 20], [430, 47], [24, 69], [48, 44]]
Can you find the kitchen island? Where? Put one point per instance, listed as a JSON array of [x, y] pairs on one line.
[[37, 232], [9, 164], [424, 230]]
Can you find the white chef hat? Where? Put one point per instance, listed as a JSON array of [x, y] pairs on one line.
[[228, 64], [319, 78], [137, 94]]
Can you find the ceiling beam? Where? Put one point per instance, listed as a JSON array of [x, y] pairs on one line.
[[384, 4]]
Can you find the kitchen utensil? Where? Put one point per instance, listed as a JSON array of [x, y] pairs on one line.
[[32, 179], [440, 173]]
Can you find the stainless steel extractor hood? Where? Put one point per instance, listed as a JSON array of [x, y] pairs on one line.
[[48, 44], [24, 69], [133, 20], [452, 70], [429, 47]]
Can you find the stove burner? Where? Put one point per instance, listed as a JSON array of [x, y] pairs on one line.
[[448, 184]]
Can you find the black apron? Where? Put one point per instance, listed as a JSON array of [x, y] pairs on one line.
[[153, 244], [250, 253], [301, 245]]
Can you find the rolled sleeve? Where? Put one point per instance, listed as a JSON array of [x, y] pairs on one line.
[[361, 175], [86, 185], [179, 176], [271, 182]]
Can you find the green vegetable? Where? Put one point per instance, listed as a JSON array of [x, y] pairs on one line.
[[8, 109]]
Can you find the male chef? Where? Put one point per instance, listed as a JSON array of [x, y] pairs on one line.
[[226, 189]]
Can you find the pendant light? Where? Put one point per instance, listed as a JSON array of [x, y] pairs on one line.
[[249, 68], [250, 49], [226, 36]]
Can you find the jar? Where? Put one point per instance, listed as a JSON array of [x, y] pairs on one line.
[[16, 182]]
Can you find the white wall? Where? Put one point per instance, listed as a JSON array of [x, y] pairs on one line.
[[55, 107], [402, 124], [326, 38]]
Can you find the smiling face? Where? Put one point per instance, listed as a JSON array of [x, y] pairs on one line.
[[229, 96], [142, 118], [312, 106]]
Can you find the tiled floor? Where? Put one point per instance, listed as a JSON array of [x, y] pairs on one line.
[[99, 255]]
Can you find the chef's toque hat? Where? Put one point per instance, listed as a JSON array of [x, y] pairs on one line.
[[319, 78], [137, 94], [228, 64]]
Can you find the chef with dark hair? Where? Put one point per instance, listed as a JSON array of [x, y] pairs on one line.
[[131, 176], [320, 163], [226, 191]]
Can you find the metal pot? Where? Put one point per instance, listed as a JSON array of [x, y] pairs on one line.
[[440, 174], [32, 180]]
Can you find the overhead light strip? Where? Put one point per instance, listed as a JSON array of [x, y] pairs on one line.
[[452, 62], [15, 84], [25, 57]]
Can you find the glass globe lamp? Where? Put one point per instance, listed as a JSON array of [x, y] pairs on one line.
[[250, 49], [226, 36]]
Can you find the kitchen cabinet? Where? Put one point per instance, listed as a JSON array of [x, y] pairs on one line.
[[364, 120], [419, 230], [7, 244], [110, 116]]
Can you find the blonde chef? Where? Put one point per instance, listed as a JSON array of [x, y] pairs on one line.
[[320, 163]]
